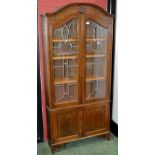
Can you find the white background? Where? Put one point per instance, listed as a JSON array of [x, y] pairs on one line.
[[115, 86], [136, 77]]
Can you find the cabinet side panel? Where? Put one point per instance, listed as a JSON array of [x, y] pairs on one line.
[[110, 45], [46, 62], [49, 126]]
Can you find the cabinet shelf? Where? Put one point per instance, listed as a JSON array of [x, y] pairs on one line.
[[61, 40], [95, 55], [64, 57], [74, 57], [63, 81], [95, 39], [94, 78], [73, 40]]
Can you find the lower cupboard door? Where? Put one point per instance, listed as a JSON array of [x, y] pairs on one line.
[[96, 120], [67, 125]]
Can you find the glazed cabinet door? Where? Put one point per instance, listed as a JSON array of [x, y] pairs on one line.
[[97, 62], [65, 61]]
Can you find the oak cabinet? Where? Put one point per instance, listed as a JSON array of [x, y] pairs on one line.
[[77, 43]]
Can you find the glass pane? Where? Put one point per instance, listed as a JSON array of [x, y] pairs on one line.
[[66, 92], [65, 62], [96, 62], [65, 39], [95, 89], [65, 69]]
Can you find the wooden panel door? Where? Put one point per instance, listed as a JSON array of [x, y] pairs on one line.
[[65, 59], [96, 119], [67, 125]]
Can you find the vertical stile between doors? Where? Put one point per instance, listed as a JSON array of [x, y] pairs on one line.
[[83, 53]]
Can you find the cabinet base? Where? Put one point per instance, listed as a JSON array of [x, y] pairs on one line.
[[55, 147], [106, 136]]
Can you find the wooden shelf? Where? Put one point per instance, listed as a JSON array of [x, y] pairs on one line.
[[96, 39], [61, 40], [75, 57], [94, 78], [64, 57], [73, 40], [95, 56], [63, 81]]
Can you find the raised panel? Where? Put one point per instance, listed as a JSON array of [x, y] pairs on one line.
[[95, 120], [67, 123]]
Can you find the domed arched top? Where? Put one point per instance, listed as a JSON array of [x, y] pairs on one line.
[[81, 6]]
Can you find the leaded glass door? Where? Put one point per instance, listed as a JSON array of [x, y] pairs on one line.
[[95, 61], [65, 54]]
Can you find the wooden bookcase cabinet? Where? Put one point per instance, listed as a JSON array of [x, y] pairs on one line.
[[77, 43]]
